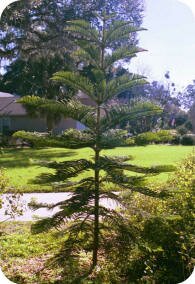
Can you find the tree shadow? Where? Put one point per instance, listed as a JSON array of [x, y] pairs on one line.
[[18, 158]]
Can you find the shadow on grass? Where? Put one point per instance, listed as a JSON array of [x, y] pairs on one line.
[[18, 158]]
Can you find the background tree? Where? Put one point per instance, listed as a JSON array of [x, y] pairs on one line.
[[36, 27], [34, 42], [187, 100], [165, 95], [89, 223], [192, 116], [187, 97]]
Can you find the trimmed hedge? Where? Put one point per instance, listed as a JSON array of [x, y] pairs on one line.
[[162, 136]]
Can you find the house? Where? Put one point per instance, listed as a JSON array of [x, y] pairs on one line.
[[14, 117]]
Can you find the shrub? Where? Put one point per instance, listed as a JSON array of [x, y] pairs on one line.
[[182, 130], [114, 137], [166, 251], [39, 139], [130, 141], [187, 140], [74, 134], [146, 138], [176, 140], [162, 136]]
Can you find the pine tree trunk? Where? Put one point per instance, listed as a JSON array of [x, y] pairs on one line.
[[96, 213], [97, 171], [96, 200]]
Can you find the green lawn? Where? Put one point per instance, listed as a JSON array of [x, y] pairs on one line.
[[22, 166]]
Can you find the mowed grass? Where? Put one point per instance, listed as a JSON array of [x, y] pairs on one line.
[[22, 164]]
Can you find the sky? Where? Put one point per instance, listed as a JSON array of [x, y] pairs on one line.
[[170, 40]]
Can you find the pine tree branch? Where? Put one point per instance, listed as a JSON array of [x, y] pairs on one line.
[[82, 30], [71, 108], [75, 81], [121, 84], [121, 53], [120, 30], [118, 114]]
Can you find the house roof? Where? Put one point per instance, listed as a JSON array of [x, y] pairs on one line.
[[81, 95], [5, 95], [9, 105]]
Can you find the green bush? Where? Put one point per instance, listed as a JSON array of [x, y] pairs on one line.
[[113, 138], [36, 139], [162, 136], [130, 141], [146, 138], [176, 140], [73, 133], [182, 130], [165, 253], [187, 140]]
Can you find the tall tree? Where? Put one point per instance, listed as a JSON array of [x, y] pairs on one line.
[[89, 222], [36, 27], [32, 77], [187, 97], [187, 101], [34, 42]]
